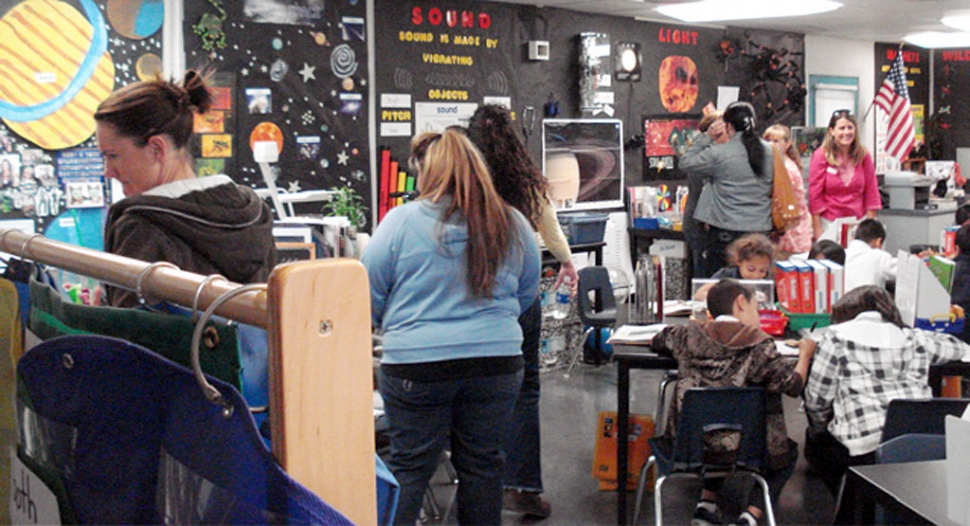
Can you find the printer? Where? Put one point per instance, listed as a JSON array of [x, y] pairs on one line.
[[908, 190]]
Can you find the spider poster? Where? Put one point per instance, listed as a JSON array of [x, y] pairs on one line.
[[666, 138], [769, 68]]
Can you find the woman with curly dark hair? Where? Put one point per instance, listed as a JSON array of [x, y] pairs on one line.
[[520, 182]]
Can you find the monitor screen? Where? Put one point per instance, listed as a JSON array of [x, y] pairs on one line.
[[583, 161]]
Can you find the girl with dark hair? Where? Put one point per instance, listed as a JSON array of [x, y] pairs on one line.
[[842, 176], [865, 359], [521, 184], [737, 177], [450, 273], [207, 225]]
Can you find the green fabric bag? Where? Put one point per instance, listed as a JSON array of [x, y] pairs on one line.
[[169, 335]]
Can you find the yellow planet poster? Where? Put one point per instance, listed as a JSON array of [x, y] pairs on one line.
[[56, 71]]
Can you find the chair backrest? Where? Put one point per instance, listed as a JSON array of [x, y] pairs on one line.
[[906, 416], [911, 447], [595, 281], [727, 409]]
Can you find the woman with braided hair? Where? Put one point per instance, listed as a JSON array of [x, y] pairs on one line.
[[737, 175], [207, 225]]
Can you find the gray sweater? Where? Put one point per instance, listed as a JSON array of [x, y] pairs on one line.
[[734, 197]]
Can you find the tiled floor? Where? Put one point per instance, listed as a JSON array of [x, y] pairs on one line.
[[570, 409]]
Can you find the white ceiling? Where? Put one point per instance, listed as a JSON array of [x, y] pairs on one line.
[[872, 20]]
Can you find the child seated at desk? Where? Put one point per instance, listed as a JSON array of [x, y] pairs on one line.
[[865, 359], [827, 249], [732, 350], [750, 257], [866, 263]]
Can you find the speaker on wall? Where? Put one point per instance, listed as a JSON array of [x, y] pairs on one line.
[[627, 62]]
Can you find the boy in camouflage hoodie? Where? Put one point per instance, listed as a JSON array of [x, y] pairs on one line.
[[733, 351]]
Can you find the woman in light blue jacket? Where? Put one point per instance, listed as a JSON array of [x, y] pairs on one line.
[[450, 273]]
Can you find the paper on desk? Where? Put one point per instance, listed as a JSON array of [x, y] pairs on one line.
[[635, 334], [784, 349], [680, 307]]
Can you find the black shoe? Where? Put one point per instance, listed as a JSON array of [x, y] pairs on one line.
[[529, 503]]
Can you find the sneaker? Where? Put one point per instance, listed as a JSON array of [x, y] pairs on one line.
[[705, 514], [528, 503], [745, 519]]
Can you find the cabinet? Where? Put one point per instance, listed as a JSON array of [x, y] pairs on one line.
[[913, 227]]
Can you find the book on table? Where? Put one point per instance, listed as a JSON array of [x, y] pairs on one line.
[[635, 334]]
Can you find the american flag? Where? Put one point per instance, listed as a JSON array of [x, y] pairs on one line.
[[893, 98]]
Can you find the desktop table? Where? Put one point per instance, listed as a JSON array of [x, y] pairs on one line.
[[629, 357], [596, 249], [914, 491]]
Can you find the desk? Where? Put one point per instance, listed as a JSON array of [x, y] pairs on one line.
[[647, 237], [629, 357], [641, 357], [913, 227], [596, 249], [955, 368], [914, 491]]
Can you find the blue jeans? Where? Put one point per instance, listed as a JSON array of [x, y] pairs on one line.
[[523, 469], [474, 414]]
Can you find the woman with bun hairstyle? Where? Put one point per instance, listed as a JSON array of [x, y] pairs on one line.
[[842, 176], [207, 225], [737, 176]]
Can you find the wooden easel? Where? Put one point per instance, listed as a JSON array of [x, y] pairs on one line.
[[317, 316]]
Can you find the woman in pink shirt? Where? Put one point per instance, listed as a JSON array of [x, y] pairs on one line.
[[842, 176]]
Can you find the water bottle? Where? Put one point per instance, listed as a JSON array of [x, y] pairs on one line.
[[645, 278], [563, 294]]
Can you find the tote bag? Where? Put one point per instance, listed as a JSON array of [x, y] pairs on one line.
[[784, 202]]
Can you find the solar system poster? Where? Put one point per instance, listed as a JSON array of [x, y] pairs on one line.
[[62, 58], [294, 69], [665, 140]]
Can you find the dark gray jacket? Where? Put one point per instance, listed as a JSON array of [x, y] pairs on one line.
[[734, 197]]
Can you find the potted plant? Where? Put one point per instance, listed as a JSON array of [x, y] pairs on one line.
[[345, 202]]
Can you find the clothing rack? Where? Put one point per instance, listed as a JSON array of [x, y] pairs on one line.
[[317, 317]]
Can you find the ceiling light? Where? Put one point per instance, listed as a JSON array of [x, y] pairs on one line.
[[961, 22], [723, 10], [938, 40]]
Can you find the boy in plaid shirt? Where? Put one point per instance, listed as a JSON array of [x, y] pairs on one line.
[[865, 359]]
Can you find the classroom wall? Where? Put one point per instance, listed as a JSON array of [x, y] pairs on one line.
[[421, 59], [846, 58]]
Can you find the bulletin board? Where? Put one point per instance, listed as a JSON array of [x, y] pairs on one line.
[[666, 138], [293, 72], [946, 129], [50, 168]]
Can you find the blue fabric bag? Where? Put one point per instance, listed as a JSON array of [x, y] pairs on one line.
[[122, 435]]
